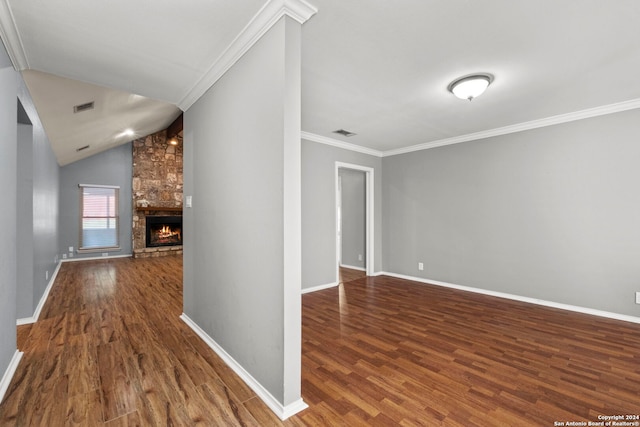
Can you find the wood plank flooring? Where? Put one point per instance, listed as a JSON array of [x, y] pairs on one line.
[[109, 349], [384, 351], [349, 274]]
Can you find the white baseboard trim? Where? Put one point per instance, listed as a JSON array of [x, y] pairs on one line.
[[353, 267], [283, 412], [8, 374], [43, 299], [568, 307], [94, 258], [319, 287], [25, 321]]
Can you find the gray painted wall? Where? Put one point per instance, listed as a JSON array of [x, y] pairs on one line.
[[111, 167], [25, 249], [551, 213], [8, 177], [36, 205], [318, 210], [354, 220], [235, 142], [46, 177]]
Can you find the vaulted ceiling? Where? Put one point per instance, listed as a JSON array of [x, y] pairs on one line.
[[377, 68]]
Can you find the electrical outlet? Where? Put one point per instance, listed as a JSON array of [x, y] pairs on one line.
[[64, 256], [359, 257], [70, 254], [637, 297], [420, 266], [70, 248]]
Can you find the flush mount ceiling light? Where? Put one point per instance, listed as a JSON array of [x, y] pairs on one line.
[[470, 87]]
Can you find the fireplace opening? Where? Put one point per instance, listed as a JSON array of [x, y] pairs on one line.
[[163, 230]]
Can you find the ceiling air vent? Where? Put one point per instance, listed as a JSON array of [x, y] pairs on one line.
[[83, 107], [82, 148], [344, 132]]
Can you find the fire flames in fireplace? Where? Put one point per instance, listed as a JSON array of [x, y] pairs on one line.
[[165, 234], [164, 231]]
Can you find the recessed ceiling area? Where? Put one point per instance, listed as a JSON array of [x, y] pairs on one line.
[[378, 68]]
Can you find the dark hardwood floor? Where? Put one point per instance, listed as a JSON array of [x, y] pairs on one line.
[[109, 349]]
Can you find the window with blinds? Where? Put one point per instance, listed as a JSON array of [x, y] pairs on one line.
[[99, 221]]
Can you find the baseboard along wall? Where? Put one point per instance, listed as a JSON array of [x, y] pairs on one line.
[[562, 306], [43, 299], [9, 373]]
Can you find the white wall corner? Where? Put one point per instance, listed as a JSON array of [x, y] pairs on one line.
[[266, 17], [283, 412], [9, 373], [292, 213], [11, 37]]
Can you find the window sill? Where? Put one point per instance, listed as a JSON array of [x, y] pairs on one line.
[[104, 249]]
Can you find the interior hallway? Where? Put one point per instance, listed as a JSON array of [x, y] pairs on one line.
[[109, 349]]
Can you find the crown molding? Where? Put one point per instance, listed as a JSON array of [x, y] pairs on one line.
[[534, 124], [340, 144], [266, 17], [300, 10], [11, 37]]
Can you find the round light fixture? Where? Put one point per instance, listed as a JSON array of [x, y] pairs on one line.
[[470, 87]]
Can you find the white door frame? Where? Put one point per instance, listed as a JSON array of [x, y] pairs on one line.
[[369, 207]]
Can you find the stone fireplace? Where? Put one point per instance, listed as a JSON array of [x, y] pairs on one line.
[[157, 195]]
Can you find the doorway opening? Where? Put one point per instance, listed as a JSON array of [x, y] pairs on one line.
[[368, 208]]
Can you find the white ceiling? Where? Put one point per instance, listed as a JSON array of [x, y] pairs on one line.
[[378, 68], [381, 68], [100, 128]]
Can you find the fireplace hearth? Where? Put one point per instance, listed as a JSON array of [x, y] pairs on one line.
[[163, 230]]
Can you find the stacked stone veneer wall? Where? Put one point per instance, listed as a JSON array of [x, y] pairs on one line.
[[157, 185]]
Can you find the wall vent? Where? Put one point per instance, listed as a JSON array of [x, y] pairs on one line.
[[82, 148], [344, 132], [83, 107]]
